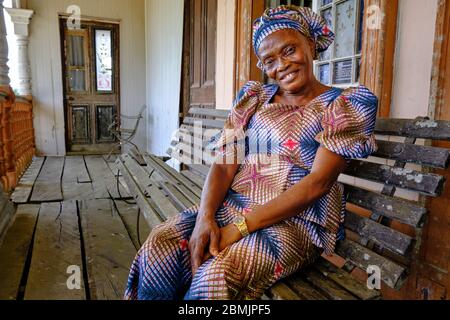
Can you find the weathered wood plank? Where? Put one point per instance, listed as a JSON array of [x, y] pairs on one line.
[[76, 181], [47, 187], [109, 249], [56, 248], [123, 190], [412, 153], [280, 291], [346, 281], [303, 289], [174, 177], [152, 217], [383, 236], [129, 215], [420, 128], [77, 191], [404, 211], [155, 197], [103, 180], [216, 124], [391, 273], [6, 215], [14, 250], [75, 170], [201, 169], [23, 190], [424, 183], [198, 180], [330, 288], [215, 113]]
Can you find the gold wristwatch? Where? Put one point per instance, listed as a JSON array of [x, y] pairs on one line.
[[240, 223]]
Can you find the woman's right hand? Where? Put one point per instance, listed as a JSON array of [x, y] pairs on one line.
[[204, 241]]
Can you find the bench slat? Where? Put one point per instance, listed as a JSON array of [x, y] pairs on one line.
[[424, 183], [217, 113], [412, 153], [281, 291], [345, 280], [179, 200], [383, 236], [169, 172], [194, 178], [402, 210], [151, 216], [391, 273], [424, 129], [215, 124], [330, 288], [304, 289]]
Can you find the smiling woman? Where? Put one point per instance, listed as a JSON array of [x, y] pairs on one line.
[[259, 222]]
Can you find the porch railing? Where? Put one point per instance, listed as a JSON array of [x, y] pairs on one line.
[[17, 146]]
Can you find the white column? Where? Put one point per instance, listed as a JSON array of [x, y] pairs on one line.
[[4, 70], [21, 19]]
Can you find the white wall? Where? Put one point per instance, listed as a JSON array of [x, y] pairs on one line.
[[46, 64], [164, 42], [413, 58]]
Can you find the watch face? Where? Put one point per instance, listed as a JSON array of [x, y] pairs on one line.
[[239, 219]]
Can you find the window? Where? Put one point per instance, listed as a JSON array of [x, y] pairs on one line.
[[300, 3], [340, 65]]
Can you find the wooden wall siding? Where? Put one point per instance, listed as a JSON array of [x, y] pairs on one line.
[[378, 49], [246, 69], [16, 137], [430, 275], [440, 65]]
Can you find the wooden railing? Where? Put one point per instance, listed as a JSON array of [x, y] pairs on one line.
[[17, 146]]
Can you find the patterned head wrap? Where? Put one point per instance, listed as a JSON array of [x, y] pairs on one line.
[[302, 19]]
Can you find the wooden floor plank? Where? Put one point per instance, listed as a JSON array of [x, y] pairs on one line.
[[14, 250], [111, 162], [75, 170], [77, 191], [7, 211], [47, 187], [76, 181], [103, 180], [23, 190], [109, 249], [129, 215], [56, 248]]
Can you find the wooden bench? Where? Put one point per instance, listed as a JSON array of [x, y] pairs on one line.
[[372, 220]]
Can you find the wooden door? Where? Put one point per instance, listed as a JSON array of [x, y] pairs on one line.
[[199, 55], [90, 56]]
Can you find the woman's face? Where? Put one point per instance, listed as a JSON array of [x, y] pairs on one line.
[[287, 57]]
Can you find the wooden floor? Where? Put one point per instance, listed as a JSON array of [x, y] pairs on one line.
[[75, 232]]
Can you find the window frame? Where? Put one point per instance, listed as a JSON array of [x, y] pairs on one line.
[[355, 57]]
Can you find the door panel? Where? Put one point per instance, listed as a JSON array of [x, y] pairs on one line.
[[80, 124], [91, 85], [104, 116], [200, 54]]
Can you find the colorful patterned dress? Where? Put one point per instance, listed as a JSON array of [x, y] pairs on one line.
[[289, 136]]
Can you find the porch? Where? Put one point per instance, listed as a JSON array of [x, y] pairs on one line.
[[74, 226], [74, 234]]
